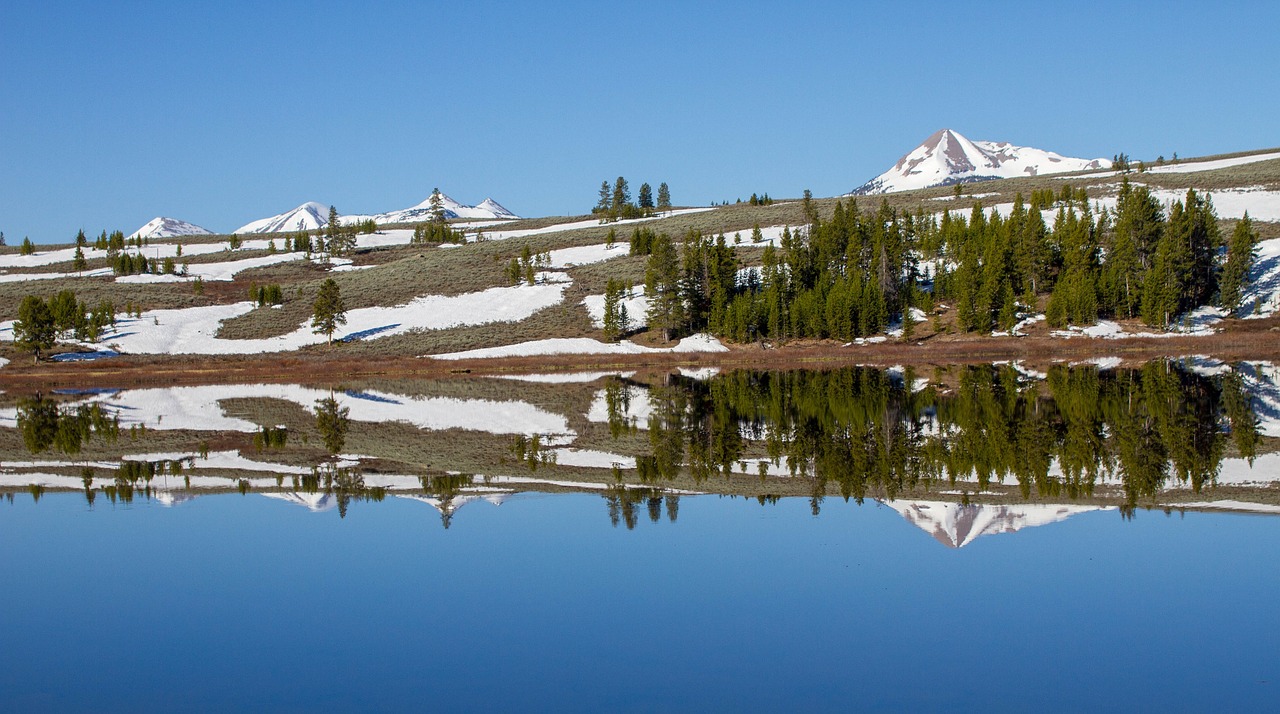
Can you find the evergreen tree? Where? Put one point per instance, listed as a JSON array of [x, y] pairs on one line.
[[81, 241], [664, 197], [28, 248], [328, 312], [80, 263], [35, 328], [662, 287], [620, 201], [645, 199], [605, 203], [1242, 251], [436, 209], [66, 312]]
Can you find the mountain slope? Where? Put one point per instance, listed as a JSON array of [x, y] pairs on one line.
[[162, 227], [309, 216], [947, 158], [956, 525], [487, 209], [312, 215]]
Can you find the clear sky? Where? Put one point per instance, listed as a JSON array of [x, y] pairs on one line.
[[220, 113]]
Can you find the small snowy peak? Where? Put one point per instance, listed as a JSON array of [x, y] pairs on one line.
[[498, 210], [947, 158], [487, 209], [163, 227], [307, 217], [312, 216]]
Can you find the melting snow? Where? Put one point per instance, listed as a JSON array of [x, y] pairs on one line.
[[586, 345]]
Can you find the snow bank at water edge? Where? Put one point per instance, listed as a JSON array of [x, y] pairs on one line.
[[585, 346]]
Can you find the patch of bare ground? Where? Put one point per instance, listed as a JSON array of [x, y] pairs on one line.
[[1240, 340]]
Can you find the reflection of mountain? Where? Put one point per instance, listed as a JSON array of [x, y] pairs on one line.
[[957, 525], [447, 506], [314, 502], [168, 499]]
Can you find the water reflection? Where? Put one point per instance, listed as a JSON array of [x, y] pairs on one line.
[[960, 451]]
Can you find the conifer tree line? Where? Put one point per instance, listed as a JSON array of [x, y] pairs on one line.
[[615, 202], [857, 272], [41, 323]]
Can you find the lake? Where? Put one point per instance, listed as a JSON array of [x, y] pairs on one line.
[[990, 538]]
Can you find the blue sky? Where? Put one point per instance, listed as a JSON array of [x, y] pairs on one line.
[[219, 113]]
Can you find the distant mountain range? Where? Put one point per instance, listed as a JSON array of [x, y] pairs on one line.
[[947, 158], [312, 215]]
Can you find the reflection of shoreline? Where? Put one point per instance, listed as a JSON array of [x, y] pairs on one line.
[[956, 525]]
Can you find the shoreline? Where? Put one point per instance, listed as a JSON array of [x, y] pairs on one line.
[[1253, 340]]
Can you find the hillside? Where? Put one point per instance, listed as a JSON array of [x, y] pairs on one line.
[[408, 300]]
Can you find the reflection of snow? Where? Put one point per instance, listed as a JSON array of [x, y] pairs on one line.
[[590, 458], [957, 525], [199, 409]]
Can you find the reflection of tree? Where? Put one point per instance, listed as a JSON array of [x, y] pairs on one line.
[[867, 433], [45, 425], [445, 488], [624, 502], [532, 452], [332, 422]]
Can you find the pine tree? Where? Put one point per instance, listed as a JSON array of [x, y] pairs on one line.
[[1242, 251], [664, 197], [613, 319], [338, 239], [328, 313], [80, 263], [28, 248], [662, 286], [605, 202], [436, 209], [35, 328], [621, 199], [81, 241], [645, 199]]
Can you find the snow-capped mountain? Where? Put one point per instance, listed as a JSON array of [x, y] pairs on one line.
[[948, 158], [162, 227], [307, 217], [956, 525], [312, 215], [487, 209]]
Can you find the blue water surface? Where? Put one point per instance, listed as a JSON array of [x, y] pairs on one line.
[[236, 603]]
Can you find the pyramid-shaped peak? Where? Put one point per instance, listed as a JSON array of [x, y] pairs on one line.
[[948, 157]]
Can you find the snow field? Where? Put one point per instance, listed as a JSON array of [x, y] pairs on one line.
[[193, 330], [585, 345]]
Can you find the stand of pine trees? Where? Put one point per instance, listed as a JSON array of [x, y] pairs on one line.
[[615, 202], [854, 274]]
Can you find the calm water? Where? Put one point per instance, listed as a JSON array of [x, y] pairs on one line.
[[989, 538], [241, 602]]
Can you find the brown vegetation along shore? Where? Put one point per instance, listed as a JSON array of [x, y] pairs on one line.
[[1243, 340]]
